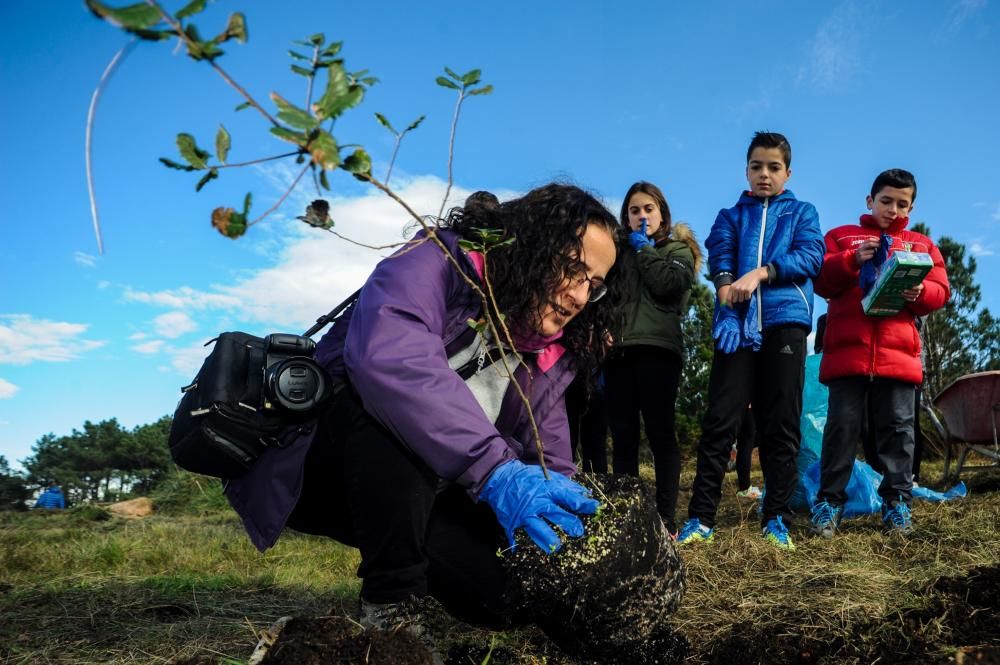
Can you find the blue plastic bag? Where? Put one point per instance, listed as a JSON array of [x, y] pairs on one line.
[[815, 397]]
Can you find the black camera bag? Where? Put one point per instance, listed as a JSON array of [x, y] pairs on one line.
[[221, 425]]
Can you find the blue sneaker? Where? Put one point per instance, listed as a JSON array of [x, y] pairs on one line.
[[694, 531], [897, 517], [776, 533], [825, 519]]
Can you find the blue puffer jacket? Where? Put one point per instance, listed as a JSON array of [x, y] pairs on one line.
[[51, 499], [781, 232]]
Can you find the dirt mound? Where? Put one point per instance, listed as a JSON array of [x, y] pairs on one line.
[[333, 640], [608, 597], [140, 507]]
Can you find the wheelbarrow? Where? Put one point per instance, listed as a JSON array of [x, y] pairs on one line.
[[970, 406]]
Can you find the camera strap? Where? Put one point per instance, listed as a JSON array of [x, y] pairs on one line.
[[255, 377], [332, 314]]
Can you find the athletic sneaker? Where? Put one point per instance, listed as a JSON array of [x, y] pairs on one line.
[[897, 517], [751, 493], [694, 531], [414, 615], [776, 533], [825, 519]]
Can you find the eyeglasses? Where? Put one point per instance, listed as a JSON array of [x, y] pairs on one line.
[[596, 288]]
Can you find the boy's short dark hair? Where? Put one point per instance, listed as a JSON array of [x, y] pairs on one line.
[[771, 140], [898, 178]]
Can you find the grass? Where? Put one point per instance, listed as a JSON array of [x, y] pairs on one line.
[[85, 587]]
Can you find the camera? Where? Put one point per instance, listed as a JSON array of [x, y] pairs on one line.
[[293, 381]]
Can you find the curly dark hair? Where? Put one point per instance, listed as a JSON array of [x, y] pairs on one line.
[[547, 225]]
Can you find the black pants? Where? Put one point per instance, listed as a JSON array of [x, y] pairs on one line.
[[643, 380], [588, 426], [891, 403], [745, 442], [772, 379], [417, 535], [871, 450]]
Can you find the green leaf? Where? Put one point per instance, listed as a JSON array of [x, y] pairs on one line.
[[299, 56], [369, 80], [132, 17], [359, 163], [333, 49], [244, 105], [298, 138], [197, 48], [174, 165], [415, 124], [154, 35], [190, 151], [452, 74], [323, 148], [211, 175], [445, 83], [247, 200], [302, 71], [222, 143], [471, 77], [324, 183], [469, 246], [293, 115], [485, 90], [339, 95], [192, 8], [317, 39], [385, 123], [236, 28]]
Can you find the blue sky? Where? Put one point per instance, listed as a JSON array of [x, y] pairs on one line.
[[598, 93]]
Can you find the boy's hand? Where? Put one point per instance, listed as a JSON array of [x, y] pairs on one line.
[[911, 295], [723, 294], [865, 252], [638, 239], [743, 288]]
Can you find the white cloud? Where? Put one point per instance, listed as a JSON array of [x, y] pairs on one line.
[[138, 337], [996, 213], [24, 340], [7, 389], [976, 248], [85, 260], [834, 48], [152, 346], [962, 11], [187, 361], [173, 324], [183, 297], [103, 284]]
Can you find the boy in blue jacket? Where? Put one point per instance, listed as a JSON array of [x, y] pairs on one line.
[[763, 254]]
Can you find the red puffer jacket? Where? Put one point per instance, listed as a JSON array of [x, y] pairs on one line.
[[885, 346]]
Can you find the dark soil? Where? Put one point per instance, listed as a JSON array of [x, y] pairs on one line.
[[333, 640], [962, 611], [607, 597]]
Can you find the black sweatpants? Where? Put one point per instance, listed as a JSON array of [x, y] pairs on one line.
[[891, 403], [746, 440], [772, 379], [417, 534], [588, 426], [643, 380]]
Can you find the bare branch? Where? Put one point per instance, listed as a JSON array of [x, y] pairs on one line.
[[176, 27], [283, 196], [115, 61], [451, 150]]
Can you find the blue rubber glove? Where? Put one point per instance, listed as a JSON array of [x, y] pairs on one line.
[[638, 239], [751, 335], [520, 496], [870, 269], [726, 333]]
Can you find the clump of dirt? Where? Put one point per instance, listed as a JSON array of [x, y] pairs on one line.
[[333, 640], [607, 597]]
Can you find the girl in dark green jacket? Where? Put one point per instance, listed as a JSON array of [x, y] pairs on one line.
[[643, 373]]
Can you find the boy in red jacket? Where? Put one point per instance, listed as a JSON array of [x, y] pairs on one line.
[[879, 355]]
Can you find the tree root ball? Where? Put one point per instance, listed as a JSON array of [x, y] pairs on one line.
[[330, 640], [608, 596]]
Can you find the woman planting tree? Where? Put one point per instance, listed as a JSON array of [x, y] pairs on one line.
[[428, 447]]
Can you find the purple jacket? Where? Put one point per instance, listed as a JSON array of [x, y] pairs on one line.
[[394, 346]]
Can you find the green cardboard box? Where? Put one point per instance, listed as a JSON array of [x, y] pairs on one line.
[[901, 271]]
